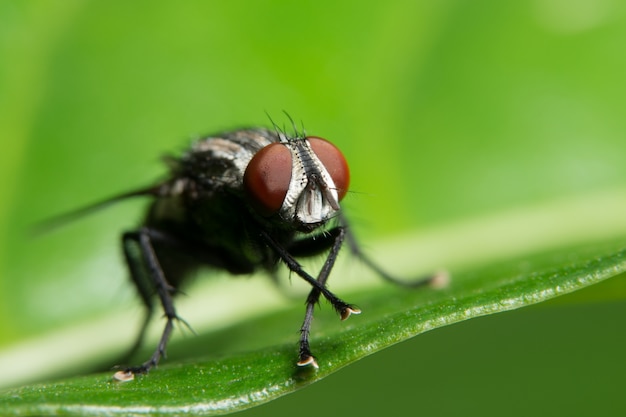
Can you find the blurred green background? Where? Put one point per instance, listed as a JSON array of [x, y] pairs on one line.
[[446, 110]]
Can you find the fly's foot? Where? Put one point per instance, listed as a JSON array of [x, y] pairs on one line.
[[128, 374], [308, 360], [348, 310], [124, 376]]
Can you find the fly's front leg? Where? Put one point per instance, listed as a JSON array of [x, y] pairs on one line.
[[305, 355], [319, 285], [151, 267], [344, 309]]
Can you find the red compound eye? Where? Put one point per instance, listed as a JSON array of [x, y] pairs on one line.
[[267, 178], [334, 162]]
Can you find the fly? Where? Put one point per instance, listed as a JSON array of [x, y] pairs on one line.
[[242, 201]]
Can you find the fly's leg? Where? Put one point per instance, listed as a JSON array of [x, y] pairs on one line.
[[305, 355], [319, 288], [343, 309], [438, 278], [135, 264], [150, 264], [320, 243]]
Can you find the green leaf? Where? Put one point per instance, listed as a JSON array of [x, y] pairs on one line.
[[220, 385]]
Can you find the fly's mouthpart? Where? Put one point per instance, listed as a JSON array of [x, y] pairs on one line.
[[317, 203]]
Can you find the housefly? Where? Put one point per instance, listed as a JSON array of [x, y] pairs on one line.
[[242, 201]]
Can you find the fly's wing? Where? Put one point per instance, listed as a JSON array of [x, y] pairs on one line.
[[55, 222]]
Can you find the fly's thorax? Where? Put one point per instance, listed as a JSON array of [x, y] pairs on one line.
[[298, 181], [223, 159]]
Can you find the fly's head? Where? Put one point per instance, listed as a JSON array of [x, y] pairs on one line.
[[297, 180]]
